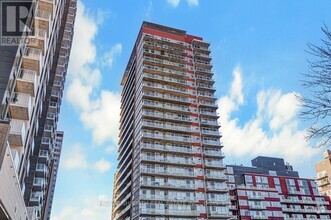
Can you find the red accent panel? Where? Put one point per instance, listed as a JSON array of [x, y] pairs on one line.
[[203, 215], [196, 133], [197, 155], [199, 177], [198, 166], [196, 144], [195, 124], [201, 190]]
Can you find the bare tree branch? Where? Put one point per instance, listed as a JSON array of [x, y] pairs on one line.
[[316, 107]]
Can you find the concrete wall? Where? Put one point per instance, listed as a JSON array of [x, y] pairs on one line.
[[10, 193]]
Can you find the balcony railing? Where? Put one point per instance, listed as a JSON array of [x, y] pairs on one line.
[[169, 212], [168, 185], [20, 107], [17, 133], [27, 82], [167, 172], [170, 148], [211, 142], [166, 126]]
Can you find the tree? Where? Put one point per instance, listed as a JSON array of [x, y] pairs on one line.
[[316, 106]]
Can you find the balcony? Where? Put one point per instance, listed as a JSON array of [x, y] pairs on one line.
[[17, 133], [159, 70], [53, 107], [166, 88], [323, 182], [168, 160], [38, 184], [207, 103], [220, 188], [32, 59], [168, 185], [324, 175], [48, 131], [208, 79], [35, 199], [41, 170], [167, 198], [46, 143], [297, 201], [207, 95], [255, 197], [123, 211], [21, 106], [167, 172], [257, 207], [56, 95], [259, 217], [163, 96], [166, 116], [211, 132], [213, 153], [43, 20], [39, 40], [203, 71], [168, 148], [217, 201], [201, 49], [50, 118], [165, 79], [221, 215], [169, 212], [216, 176], [214, 164], [166, 126], [27, 82], [211, 142], [43, 156], [167, 106]]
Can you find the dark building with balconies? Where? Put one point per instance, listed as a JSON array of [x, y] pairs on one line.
[[32, 76]]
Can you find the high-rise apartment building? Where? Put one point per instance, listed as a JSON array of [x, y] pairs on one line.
[[270, 189], [57, 148], [170, 158], [32, 76], [323, 174]]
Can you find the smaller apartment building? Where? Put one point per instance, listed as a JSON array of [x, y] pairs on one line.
[[270, 189], [323, 174]]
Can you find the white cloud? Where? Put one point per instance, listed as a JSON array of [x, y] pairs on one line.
[[87, 209], [193, 2], [103, 117], [112, 54], [76, 159], [173, 3], [272, 131], [110, 149], [101, 113], [102, 165]]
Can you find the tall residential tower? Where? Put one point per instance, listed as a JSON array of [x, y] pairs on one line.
[[170, 159], [32, 76]]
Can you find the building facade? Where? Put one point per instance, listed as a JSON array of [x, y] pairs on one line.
[[32, 83], [270, 189], [323, 174], [170, 158]]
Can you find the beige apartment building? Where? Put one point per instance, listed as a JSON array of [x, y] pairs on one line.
[[170, 155], [32, 76], [323, 174]]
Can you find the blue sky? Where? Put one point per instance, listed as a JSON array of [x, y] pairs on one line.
[[258, 50]]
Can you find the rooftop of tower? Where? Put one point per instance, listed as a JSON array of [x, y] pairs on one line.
[[178, 34]]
